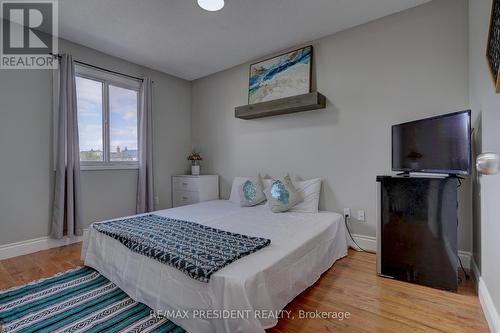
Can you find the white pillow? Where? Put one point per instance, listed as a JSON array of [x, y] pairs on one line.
[[309, 190], [235, 193]]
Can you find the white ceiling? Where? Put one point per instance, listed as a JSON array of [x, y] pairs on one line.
[[179, 38]]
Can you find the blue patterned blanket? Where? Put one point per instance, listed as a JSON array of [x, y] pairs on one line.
[[195, 249]]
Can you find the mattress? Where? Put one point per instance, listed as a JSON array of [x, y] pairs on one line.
[[303, 246]]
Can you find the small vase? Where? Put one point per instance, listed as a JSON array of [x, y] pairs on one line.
[[195, 168]]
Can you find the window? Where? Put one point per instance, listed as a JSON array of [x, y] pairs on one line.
[[108, 111]]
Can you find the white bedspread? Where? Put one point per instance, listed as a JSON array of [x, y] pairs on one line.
[[303, 246]]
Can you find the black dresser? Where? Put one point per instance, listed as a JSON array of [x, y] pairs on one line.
[[417, 230]]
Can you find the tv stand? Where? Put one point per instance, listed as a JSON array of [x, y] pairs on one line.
[[427, 175], [417, 230]]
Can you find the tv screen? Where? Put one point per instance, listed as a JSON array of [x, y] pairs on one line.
[[435, 145]]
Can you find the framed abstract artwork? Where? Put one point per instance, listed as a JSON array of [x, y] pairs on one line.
[[493, 49], [282, 76]]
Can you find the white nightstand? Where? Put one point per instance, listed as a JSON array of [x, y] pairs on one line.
[[187, 189]]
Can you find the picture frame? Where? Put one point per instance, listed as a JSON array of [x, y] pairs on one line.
[[284, 75], [493, 47]]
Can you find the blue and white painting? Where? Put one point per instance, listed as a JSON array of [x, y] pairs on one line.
[[283, 76]]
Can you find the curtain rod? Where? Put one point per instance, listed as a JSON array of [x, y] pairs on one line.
[[101, 68]]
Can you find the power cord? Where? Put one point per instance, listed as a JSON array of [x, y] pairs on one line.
[[346, 219], [467, 277]]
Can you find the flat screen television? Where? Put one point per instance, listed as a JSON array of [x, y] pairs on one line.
[[439, 144]]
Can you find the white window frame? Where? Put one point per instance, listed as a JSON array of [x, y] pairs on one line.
[[116, 80]]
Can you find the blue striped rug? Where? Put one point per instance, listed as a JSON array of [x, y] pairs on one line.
[[81, 300]]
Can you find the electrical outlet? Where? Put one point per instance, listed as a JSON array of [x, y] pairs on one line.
[[347, 212], [361, 215]]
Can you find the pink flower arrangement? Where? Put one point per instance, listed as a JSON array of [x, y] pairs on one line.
[[194, 156]]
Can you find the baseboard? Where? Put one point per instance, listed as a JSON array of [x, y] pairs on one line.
[[489, 309], [368, 243], [34, 245]]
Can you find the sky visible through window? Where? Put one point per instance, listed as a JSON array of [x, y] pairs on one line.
[[89, 102], [122, 121]]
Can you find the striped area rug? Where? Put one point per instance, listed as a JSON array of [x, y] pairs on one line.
[[81, 300]]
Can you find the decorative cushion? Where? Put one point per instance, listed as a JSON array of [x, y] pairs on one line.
[[235, 195], [310, 192], [282, 195], [251, 192]]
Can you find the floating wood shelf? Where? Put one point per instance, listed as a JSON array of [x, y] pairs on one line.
[[299, 103]]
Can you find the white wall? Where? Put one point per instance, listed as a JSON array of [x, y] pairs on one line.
[[26, 176], [484, 100], [403, 67], [25, 154]]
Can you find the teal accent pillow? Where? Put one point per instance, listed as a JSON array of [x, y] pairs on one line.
[[282, 195], [251, 192]]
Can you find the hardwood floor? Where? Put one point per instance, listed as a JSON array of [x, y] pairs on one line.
[[21, 270], [375, 304]]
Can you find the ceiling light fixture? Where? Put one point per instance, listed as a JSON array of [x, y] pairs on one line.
[[211, 5]]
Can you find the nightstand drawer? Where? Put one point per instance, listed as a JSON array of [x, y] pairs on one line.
[[186, 184], [182, 198], [188, 190]]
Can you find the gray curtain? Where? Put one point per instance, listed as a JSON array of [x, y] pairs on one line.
[[67, 208], [145, 190]]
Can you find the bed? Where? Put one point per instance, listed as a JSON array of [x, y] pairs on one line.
[[303, 246]]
